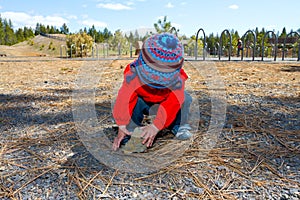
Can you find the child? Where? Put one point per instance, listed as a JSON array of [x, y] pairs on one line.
[[240, 46], [154, 84]]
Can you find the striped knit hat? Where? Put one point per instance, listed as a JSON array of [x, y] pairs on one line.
[[160, 61]]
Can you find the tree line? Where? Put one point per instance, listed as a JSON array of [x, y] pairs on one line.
[[9, 36]]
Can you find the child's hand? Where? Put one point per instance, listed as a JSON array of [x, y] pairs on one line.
[[121, 134], [149, 134]]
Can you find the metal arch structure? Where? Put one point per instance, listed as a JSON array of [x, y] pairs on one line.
[[97, 50], [204, 43], [174, 29], [217, 48], [284, 44], [263, 45], [72, 45], [254, 42], [82, 47], [221, 44], [61, 47]]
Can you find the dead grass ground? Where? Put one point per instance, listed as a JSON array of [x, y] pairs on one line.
[[256, 156]]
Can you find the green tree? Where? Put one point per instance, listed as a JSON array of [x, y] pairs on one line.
[[106, 34], [43, 29], [118, 40], [130, 38], [2, 34], [136, 36], [93, 32], [82, 42], [9, 35], [28, 33], [100, 37], [164, 26], [283, 33], [64, 29], [20, 35], [37, 30], [52, 30]]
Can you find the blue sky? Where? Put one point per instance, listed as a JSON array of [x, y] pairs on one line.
[[188, 15]]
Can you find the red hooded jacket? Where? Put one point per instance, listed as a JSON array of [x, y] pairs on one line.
[[169, 101]]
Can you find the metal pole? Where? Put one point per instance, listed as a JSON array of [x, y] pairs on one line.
[[61, 51], [219, 51], [298, 52], [119, 49], [130, 46]]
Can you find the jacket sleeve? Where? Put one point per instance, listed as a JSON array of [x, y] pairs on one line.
[[125, 101]]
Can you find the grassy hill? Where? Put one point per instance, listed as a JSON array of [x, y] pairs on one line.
[[37, 46]]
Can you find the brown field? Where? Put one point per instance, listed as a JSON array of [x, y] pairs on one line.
[[256, 155]]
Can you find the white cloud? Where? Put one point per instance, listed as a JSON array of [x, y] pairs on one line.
[[84, 6], [71, 17], [169, 5], [129, 3], [233, 7], [113, 6], [91, 22], [21, 19], [85, 16], [0, 7]]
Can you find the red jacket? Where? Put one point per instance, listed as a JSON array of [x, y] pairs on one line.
[[170, 100]]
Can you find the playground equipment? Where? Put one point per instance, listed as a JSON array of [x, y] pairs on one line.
[[61, 50], [254, 43], [204, 43], [221, 44], [270, 45], [263, 45], [284, 44]]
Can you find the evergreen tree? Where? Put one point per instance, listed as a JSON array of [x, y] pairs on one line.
[[9, 36], [2, 34], [43, 29], [100, 37], [162, 25], [64, 29], [52, 30], [28, 33], [130, 38], [106, 34], [93, 33], [20, 35], [136, 36], [283, 33], [37, 29]]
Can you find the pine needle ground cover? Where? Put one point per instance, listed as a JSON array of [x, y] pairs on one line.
[[256, 154]]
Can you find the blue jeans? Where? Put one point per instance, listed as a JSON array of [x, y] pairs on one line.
[[145, 108]]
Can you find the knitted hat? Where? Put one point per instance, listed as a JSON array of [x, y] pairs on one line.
[[160, 61]]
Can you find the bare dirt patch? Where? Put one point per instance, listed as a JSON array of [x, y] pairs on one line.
[[256, 156]]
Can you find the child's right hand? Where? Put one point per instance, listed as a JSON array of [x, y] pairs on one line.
[[121, 134]]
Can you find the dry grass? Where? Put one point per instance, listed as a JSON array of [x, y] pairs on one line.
[[253, 155]]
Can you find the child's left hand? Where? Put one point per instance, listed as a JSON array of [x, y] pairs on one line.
[[149, 134]]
